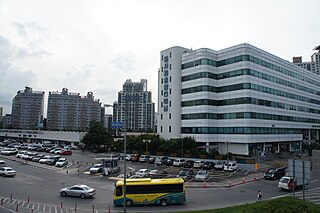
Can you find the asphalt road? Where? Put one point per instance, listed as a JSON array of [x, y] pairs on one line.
[[42, 185]]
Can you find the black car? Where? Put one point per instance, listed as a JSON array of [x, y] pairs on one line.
[[273, 174], [188, 164], [208, 165], [169, 162]]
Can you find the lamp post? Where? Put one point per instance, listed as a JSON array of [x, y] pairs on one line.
[[125, 161], [227, 142]]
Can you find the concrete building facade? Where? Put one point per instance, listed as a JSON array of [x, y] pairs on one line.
[[313, 65], [27, 109], [72, 112], [135, 107], [241, 99]]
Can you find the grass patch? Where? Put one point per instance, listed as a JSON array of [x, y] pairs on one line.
[[279, 205]]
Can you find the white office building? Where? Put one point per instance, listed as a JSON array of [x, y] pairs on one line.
[[241, 99]]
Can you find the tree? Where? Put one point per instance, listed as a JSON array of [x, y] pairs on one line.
[[96, 137]]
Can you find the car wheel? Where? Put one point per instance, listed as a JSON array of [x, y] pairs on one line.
[[163, 202], [129, 203], [83, 196], [63, 194]]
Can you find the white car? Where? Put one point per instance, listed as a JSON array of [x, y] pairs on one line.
[[3, 163], [44, 159], [231, 167], [198, 164], [21, 153], [96, 168], [142, 173], [178, 162], [202, 175], [219, 165], [61, 162], [7, 171]]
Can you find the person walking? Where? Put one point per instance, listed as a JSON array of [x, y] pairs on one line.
[[259, 196]]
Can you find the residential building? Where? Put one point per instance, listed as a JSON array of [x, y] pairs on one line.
[[72, 112], [313, 65], [240, 99], [6, 121], [135, 107], [27, 109], [108, 121]]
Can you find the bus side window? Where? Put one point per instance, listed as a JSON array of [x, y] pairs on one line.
[[118, 191]]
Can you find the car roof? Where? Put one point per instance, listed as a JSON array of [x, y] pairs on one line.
[[6, 167]]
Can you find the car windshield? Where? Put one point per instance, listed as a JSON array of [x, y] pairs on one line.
[[284, 180], [202, 173], [96, 166], [183, 172], [271, 171], [9, 170], [86, 188]]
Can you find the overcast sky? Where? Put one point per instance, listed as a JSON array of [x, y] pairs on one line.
[[93, 45]]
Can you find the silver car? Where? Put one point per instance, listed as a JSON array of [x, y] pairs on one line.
[[79, 190]]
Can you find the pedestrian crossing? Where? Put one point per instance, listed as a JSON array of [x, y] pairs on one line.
[[311, 195]]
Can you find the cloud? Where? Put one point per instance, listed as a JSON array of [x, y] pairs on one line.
[[31, 29], [12, 79], [125, 61]]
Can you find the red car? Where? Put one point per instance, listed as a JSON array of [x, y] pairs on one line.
[[66, 152]]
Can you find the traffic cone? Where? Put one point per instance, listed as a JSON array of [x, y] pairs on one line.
[[204, 184], [243, 180]]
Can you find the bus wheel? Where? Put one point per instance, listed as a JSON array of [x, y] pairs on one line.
[[163, 202], [129, 203]]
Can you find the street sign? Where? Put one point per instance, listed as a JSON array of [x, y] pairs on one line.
[[117, 125], [299, 169]]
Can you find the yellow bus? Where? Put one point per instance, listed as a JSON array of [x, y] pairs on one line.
[[144, 191]]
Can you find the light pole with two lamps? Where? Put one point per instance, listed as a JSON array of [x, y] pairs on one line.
[[125, 160]]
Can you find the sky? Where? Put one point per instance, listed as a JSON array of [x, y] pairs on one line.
[[96, 45]]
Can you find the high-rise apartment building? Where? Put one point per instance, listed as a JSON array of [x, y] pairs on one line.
[[27, 109], [313, 65], [241, 99], [72, 112], [135, 107]]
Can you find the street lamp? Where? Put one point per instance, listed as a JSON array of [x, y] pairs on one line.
[[125, 161]]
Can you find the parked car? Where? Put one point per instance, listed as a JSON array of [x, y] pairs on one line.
[[7, 171], [161, 160], [37, 158], [208, 165], [55, 150], [128, 157], [198, 164], [96, 168], [273, 174], [219, 165], [142, 173], [144, 158], [19, 154], [79, 190], [44, 159], [135, 157], [178, 162], [156, 173], [186, 174], [9, 151], [170, 162], [61, 162], [151, 160], [188, 164], [230, 167], [2, 163], [52, 160], [202, 175], [66, 152]]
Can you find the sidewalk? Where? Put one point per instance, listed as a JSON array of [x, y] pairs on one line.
[[227, 183]]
